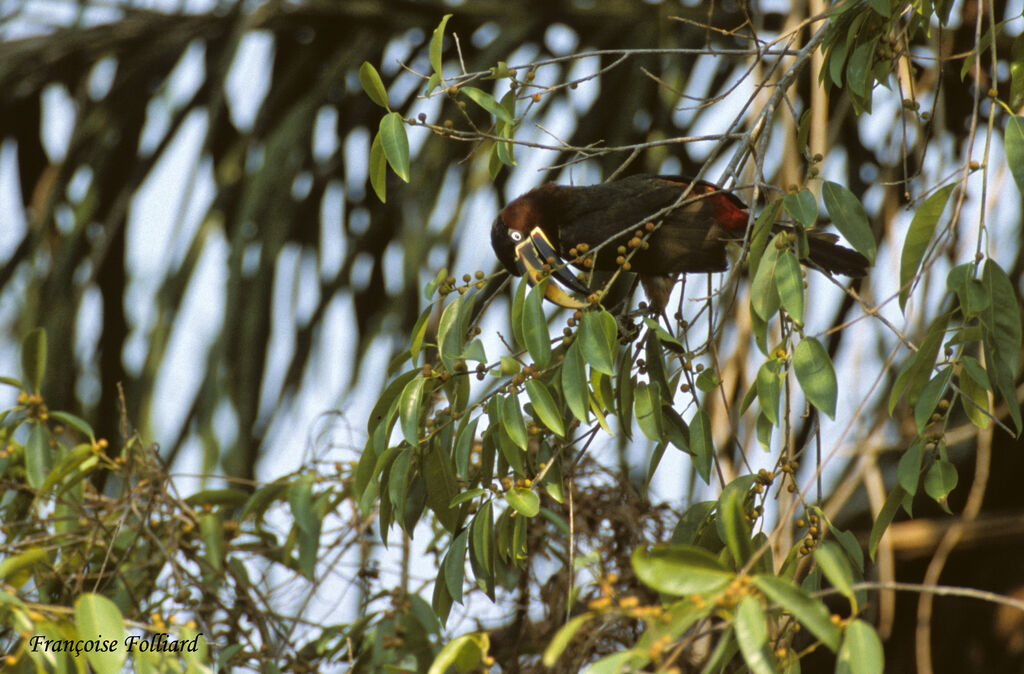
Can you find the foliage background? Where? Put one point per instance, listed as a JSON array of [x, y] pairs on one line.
[[228, 263]]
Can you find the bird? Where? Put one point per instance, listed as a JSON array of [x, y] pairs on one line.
[[630, 224]]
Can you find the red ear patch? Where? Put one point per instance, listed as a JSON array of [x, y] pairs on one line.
[[727, 213]]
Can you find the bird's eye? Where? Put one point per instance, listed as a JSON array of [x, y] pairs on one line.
[[515, 235]]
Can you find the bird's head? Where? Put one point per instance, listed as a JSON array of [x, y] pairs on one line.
[[513, 226], [519, 241]]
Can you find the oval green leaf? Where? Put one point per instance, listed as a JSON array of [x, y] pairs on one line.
[[436, 45], [395, 144], [764, 295], [544, 405], [574, 383], [680, 569], [378, 169], [512, 421], [861, 652], [832, 561], [789, 281], [597, 336], [922, 227], [98, 619], [802, 206], [850, 218], [940, 480], [372, 84], [524, 500], [487, 102], [562, 638], [410, 404], [816, 375], [751, 627], [811, 612], [535, 326], [33, 358], [1013, 141]]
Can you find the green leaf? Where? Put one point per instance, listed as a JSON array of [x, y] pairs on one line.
[[98, 620], [439, 478], [454, 565], [970, 291], [701, 444], [680, 570], [816, 375], [369, 78], [75, 422], [211, 530], [481, 547], [861, 652], [930, 396], [858, 70], [518, 307], [811, 612], [11, 565], [882, 7], [449, 339], [832, 561], [850, 218], [647, 409], [395, 144], [974, 399], [33, 359], [464, 441], [384, 409], [1017, 88], [908, 470], [789, 281], [436, 44], [487, 102], [764, 295], [884, 518], [625, 390], [535, 326], [692, 522], [512, 421], [544, 405], [922, 227], [940, 480], [733, 526], [574, 382], [655, 358], [38, 456], [597, 335], [465, 653], [1013, 141], [802, 207], [410, 408], [751, 627], [378, 169], [1002, 335], [917, 371], [769, 389], [708, 380], [762, 232], [562, 637], [524, 500]]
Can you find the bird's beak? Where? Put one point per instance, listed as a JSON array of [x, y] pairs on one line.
[[538, 259]]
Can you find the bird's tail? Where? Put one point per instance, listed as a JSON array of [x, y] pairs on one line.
[[831, 257]]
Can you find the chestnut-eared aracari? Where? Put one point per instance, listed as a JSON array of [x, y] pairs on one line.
[[535, 233]]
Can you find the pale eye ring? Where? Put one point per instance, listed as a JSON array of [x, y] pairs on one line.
[[515, 235]]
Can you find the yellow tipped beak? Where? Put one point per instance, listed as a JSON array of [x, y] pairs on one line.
[[538, 259]]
